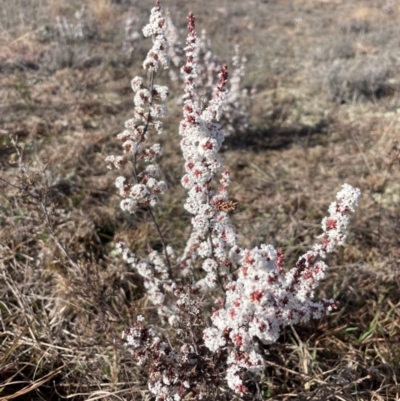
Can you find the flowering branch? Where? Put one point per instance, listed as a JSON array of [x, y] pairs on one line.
[[263, 299], [202, 138], [142, 193]]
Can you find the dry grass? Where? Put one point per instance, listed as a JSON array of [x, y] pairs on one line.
[[61, 314]]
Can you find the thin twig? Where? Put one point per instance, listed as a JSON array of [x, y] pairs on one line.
[[162, 240], [40, 201]]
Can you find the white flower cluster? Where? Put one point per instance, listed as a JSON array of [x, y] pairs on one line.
[[335, 224], [157, 55], [262, 299], [154, 273], [171, 373], [144, 191], [138, 339]]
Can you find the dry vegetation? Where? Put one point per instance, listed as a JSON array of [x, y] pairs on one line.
[[327, 112]]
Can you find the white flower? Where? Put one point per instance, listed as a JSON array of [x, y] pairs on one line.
[[129, 205], [139, 192], [209, 265], [137, 83], [142, 97], [152, 170], [160, 92]]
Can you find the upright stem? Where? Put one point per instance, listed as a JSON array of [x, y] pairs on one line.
[[151, 84], [162, 240], [146, 127], [212, 249]]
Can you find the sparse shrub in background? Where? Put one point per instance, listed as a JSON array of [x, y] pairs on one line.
[[74, 38], [357, 65], [251, 293], [357, 79], [335, 49], [357, 26], [63, 55], [71, 47]]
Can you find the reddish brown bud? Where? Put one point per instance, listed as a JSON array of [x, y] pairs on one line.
[[191, 22]]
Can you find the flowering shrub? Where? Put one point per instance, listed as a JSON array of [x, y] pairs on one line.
[[258, 296]]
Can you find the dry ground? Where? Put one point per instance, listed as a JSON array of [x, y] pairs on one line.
[[327, 111]]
